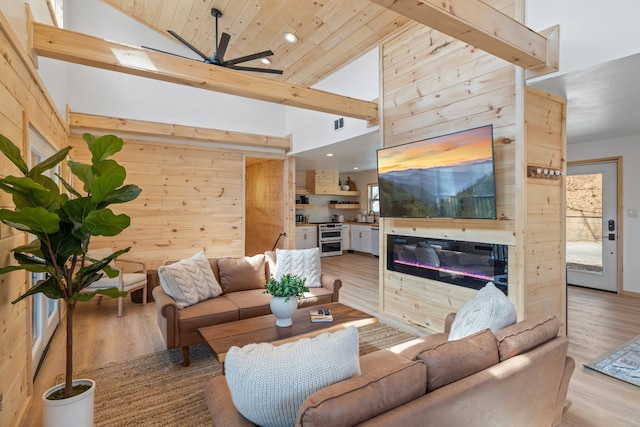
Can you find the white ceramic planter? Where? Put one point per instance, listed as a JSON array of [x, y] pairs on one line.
[[283, 310], [76, 411]]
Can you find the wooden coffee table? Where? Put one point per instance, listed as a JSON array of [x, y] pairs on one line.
[[220, 338]]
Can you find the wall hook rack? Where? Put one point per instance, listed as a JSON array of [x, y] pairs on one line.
[[544, 172]]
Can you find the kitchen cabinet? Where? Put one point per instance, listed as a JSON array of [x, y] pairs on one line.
[[375, 241], [346, 238], [361, 238], [306, 237]]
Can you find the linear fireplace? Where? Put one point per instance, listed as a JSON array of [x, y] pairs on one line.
[[468, 264]]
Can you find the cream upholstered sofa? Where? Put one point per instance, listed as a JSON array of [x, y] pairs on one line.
[[242, 281], [518, 376]]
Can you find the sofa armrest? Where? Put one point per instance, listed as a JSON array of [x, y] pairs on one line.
[[448, 321], [167, 317], [333, 284], [218, 399], [561, 402]]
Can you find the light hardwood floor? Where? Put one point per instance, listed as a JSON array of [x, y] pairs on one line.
[[597, 321]]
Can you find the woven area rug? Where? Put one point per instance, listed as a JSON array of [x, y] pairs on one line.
[[156, 390], [622, 363]]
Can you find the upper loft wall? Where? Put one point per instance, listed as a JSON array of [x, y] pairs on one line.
[[359, 79], [591, 32], [106, 93]]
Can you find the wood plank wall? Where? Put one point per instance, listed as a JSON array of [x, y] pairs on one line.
[[265, 198], [544, 242], [24, 103], [192, 200], [432, 85]]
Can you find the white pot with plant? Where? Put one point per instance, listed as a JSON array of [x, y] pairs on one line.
[[285, 294], [62, 224]]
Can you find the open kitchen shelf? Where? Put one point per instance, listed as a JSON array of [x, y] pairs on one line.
[[345, 206], [304, 206]]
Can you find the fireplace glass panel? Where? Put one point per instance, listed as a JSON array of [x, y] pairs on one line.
[[461, 263]]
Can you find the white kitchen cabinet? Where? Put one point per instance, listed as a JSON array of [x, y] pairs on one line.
[[346, 238], [306, 237], [375, 241], [361, 238]]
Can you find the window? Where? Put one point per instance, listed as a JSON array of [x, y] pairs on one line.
[[374, 198]]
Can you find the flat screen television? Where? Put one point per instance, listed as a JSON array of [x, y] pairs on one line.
[[449, 176]]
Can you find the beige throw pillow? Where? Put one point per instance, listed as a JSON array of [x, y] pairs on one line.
[[189, 281], [268, 383]]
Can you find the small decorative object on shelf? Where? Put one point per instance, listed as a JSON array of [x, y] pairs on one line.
[[351, 184], [321, 315]]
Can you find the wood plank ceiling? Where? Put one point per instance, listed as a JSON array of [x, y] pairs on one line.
[[331, 33]]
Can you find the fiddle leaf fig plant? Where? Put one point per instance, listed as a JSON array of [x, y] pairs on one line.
[[62, 223]]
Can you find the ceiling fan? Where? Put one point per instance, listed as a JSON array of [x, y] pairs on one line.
[[220, 49]]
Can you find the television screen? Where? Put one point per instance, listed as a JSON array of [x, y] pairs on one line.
[[450, 176]]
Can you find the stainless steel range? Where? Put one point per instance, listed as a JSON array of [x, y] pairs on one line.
[[330, 239]]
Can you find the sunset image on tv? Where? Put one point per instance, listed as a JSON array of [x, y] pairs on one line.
[[450, 176]]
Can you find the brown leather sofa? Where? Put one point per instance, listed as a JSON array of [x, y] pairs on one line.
[[518, 376], [240, 299]]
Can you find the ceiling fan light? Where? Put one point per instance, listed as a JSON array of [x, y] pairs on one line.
[[266, 61], [290, 37]]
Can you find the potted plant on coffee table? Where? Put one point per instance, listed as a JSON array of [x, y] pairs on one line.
[[285, 294], [61, 226]]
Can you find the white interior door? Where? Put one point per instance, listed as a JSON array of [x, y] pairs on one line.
[[592, 225], [45, 314]]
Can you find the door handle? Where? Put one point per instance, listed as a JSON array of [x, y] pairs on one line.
[[611, 225]]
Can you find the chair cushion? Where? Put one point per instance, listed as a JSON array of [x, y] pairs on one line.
[[525, 335], [489, 308], [387, 381], [269, 383], [451, 361], [128, 279], [239, 274], [189, 281], [303, 263]]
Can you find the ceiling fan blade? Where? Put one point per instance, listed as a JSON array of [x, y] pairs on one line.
[[258, 55], [189, 45], [255, 69], [168, 53], [222, 48]]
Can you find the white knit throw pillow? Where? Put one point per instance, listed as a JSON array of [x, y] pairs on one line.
[[299, 262], [269, 383], [189, 281], [489, 308]]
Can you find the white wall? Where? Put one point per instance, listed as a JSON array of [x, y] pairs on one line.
[[358, 79], [629, 149], [112, 94], [591, 31]]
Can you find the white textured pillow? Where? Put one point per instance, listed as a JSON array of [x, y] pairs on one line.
[[489, 308], [299, 262], [269, 383], [189, 281]]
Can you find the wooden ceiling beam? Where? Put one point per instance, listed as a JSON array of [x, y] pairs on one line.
[[190, 133], [484, 27], [78, 48]]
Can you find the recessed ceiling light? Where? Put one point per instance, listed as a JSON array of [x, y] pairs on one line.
[[355, 168], [266, 61], [329, 154], [290, 37]]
